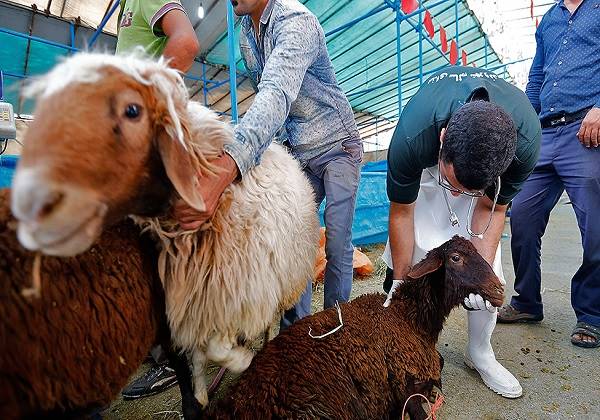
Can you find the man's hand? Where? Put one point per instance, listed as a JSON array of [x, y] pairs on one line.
[[211, 188], [477, 303], [589, 132]]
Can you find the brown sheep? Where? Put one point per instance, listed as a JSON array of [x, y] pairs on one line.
[[381, 356], [73, 348]]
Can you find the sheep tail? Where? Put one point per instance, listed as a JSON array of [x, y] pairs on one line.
[[36, 282]]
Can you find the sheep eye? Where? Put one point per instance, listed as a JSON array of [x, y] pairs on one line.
[[132, 111], [455, 258]]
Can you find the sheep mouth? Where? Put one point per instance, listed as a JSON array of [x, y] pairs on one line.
[[64, 241], [495, 296]]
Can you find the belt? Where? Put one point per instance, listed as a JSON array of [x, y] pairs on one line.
[[563, 119]]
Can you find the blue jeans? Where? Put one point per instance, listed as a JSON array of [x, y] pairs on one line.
[[564, 164], [334, 175]]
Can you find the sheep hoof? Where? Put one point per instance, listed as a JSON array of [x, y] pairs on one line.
[[193, 410]]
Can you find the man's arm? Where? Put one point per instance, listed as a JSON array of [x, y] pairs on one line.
[[297, 44], [402, 237], [182, 43], [489, 244], [536, 74]]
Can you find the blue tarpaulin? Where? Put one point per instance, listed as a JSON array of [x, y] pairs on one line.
[[7, 168], [372, 205]]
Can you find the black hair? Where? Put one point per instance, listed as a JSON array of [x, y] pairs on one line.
[[480, 143]]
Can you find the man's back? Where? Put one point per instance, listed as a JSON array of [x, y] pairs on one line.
[[138, 25]]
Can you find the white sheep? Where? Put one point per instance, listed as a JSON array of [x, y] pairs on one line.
[[127, 141]]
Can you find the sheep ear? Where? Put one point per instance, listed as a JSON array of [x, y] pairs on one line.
[[432, 262], [181, 170]]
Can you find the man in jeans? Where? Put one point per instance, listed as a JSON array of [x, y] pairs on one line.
[[564, 88], [162, 28], [299, 101]]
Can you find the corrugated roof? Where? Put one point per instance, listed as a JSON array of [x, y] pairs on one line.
[[364, 54]]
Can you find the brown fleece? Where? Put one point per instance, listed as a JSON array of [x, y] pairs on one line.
[[381, 356], [75, 347]]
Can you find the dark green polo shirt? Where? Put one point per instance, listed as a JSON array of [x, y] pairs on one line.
[[416, 141]]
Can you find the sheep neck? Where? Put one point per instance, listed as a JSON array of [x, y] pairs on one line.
[[424, 304]]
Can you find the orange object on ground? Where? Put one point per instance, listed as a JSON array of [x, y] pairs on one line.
[[360, 262]]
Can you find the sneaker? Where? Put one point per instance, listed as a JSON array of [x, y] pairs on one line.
[[157, 379], [507, 314]]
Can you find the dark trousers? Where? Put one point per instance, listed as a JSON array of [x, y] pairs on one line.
[[564, 164]]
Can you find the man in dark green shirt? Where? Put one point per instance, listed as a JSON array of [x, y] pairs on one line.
[[464, 145]]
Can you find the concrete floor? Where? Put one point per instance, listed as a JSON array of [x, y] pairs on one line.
[[560, 381]]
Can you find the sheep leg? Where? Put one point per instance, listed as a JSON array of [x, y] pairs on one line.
[[189, 405], [415, 410], [229, 355], [199, 360]]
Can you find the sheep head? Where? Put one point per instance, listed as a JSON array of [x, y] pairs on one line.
[[111, 137], [462, 270]]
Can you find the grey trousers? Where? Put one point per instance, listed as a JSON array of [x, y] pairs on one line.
[[334, 176]]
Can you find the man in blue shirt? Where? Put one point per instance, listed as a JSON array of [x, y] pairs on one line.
[[298, 101], [564, 88]]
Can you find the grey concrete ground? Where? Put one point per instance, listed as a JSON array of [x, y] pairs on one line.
[[560, 381]]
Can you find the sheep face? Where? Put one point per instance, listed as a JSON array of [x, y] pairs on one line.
[[463, 271], [104, 144]]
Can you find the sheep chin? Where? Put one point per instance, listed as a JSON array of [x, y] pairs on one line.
[[70, 243]]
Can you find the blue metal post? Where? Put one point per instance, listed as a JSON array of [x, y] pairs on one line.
[[204, 89], [103, 23], [36, 39], [232, 64], [420, 29], [72, 33], [485, 40], [399, 56], [456, 22]]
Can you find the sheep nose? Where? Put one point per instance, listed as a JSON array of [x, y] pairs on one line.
[[34, 201]]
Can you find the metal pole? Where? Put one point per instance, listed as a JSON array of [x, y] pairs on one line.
[[103, 23], [36, 39], [1, 85], [420, 29], [399, 57], [456, 22], [232, 64], [485, 40], [72, 33], [204, 90], [376, 138]]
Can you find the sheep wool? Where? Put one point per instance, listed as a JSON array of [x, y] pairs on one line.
[[74, 347]]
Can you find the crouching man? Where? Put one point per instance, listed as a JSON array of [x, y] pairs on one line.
[[464, 145]]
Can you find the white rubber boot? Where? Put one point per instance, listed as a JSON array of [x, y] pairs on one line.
[[480, 356]]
